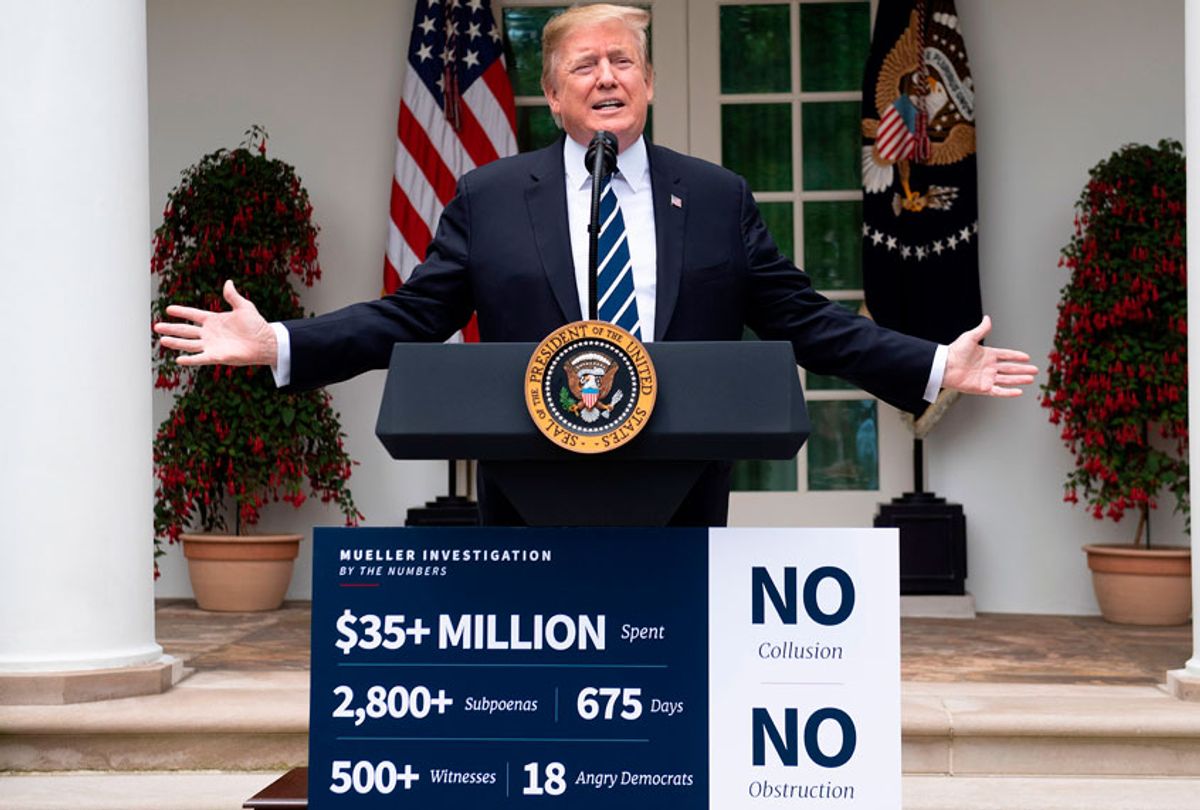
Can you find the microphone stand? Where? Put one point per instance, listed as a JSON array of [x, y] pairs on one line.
[[604, 145]]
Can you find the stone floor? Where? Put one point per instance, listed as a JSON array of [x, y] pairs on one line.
[[1015, 648], [997, 648], [1002, 712]]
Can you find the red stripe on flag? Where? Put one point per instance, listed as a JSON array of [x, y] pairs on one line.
[[414, 229], [474, 139], [893, 141], [391, 277], [417, 142], [470, 332], [497, 81], [891, 128]]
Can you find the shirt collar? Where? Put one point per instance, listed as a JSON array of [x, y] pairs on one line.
[[632, 165]]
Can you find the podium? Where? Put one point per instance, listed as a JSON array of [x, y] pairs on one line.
[[717, 401]]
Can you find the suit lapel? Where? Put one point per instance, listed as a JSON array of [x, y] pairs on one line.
[[546, 198], [670, 216]]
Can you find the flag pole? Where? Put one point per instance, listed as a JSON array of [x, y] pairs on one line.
[[918, 466]]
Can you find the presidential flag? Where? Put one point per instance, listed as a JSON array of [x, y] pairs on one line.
[[920, 210], [457, 112]]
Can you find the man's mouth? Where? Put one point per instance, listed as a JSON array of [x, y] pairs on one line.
[[608, 104]]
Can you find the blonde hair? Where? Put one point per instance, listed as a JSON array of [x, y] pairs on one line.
[[564, 24]]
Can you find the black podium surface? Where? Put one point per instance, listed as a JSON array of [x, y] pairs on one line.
[[716, 401]]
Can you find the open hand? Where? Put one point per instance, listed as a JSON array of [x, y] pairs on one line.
[[976, 369], [239, 337]]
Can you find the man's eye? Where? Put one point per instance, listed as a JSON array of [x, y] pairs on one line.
[[582, 69]]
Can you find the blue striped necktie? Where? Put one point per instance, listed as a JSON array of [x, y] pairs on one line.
[[614, 268]]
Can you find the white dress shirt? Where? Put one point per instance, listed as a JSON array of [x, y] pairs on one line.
[[632, 187], [631, 184]]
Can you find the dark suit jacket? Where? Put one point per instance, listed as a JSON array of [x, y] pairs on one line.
[[503, 249]]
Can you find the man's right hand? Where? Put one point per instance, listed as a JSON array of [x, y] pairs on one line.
[[239, 337]]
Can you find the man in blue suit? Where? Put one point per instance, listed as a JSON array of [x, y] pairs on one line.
[[512, 246]]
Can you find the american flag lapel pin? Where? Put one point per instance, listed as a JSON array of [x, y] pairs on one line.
[[676, 202]]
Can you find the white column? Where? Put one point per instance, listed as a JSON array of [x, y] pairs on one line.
[[1192, 102], [76, 583]]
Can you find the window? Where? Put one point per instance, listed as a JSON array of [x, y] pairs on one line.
[[780, 105]]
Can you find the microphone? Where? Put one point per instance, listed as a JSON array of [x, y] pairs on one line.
[[603, 146], [606, 144]]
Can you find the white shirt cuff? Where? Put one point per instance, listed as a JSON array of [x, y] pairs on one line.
[[281, 369], [935, 374]]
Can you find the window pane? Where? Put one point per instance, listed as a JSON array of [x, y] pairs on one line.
[[834, 40], [523, 50], [821, 382], [843, 450], [764, 476], [833, 244], [755, 49], [832, 145], [780, 222], [535, 128], [756, 142]]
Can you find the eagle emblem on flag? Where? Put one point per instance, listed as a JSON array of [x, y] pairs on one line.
[[925, 100], [920, 228]]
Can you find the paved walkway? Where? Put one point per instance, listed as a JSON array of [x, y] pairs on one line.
[[1035, 702], [992, 648], [226, 791]]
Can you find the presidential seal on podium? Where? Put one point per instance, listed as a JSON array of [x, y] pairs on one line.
[[590, 387]]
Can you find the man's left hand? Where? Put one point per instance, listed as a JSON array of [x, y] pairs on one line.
[[976, 369]]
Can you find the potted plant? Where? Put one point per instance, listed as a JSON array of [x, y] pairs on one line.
[[232, 443], [1117, 382]]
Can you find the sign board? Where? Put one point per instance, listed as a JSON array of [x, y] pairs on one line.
[[605, 668]]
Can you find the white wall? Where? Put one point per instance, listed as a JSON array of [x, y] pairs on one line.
[[324, 78], [1060, 83]]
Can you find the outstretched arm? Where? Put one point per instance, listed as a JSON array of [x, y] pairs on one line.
[[238, 337], [976, 369]]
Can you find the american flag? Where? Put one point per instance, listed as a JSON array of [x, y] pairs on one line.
[[457, 112], [896, 138]]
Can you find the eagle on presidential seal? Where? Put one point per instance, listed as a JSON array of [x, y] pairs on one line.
[[925, 99], [590, 376]]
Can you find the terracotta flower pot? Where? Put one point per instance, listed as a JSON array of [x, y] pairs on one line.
[[240, 573], [1142, 586]]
